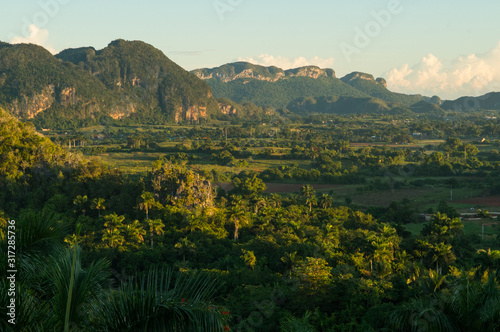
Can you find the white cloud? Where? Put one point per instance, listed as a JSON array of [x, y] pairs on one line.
[[289, 63], [36, 36], [470, 75]]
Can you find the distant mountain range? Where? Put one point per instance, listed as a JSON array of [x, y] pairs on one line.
[[314, 90], [133, 81], [309, 90]]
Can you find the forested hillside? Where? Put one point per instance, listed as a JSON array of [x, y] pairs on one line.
[[130, 81], [280, 93]]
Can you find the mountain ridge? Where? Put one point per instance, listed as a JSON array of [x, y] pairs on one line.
[[232, 79], [134, 81], [237, 70], [126, 79]]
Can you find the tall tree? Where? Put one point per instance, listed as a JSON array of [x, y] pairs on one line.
[[80, 202], [308, 193], [184, 246], [112, 237], [134, 233], [155, 228], [237, 215], [442, 227], [114, 221], [326, 201], [98, 204], [147, 201]]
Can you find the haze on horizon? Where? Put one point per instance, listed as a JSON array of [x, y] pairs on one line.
[[450, 48]]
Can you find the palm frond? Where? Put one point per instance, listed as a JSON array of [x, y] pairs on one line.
[[39, 233], [422, 314], [87, 289], [157, 302]]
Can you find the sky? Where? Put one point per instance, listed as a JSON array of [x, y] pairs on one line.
[[445, 48]]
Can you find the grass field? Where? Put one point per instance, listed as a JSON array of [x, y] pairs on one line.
[[133, 162], [423, 198]]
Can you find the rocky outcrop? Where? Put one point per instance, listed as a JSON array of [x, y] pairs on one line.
[[30, 106], [435, 100], [190, 114], [382, 82], [244, 70], [227, 109], [310, 71], [184, 188], [363, 76], [357, 76], [120, 112], [247, 73], [68, 97]]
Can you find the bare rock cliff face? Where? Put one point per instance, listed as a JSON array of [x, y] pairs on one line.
[[310, 71], [227, 109], [363, 76], [247, 73], [231, 72], [30, 106], [191, 113]]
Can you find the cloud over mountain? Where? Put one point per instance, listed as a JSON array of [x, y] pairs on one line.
[[37, 36], [467, 75], [289, 63]]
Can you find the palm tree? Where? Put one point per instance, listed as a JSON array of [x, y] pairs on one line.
[[490, 260], [442, 255], [309, 194], [443, 227], [390, 236], [343, 145], [147, 202], [39, 233], [155, 302], [237, 215], [85, 286], [134, 232], [237, 200], [476, 304], [433, 282], [54, 291], [98, 204], [155, 227], [185, 246], [422, 314], [113, 236], [469, 305], [114, 222], [326, 201], [295, 324], [382, 255], [275, 200], [38, 236], [259, 203], [290, 259], [80, 202]]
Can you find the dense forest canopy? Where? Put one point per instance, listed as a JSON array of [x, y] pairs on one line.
[[171, 245]]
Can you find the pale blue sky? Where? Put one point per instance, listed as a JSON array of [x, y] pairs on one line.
[[195, 34]]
